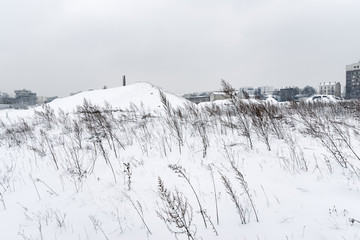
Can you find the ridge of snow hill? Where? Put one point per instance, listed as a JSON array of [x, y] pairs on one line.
[[140, 94]]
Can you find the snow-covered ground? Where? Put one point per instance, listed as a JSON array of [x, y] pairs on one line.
[[136, 163]]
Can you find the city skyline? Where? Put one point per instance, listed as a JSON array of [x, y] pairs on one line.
[[55, 48]]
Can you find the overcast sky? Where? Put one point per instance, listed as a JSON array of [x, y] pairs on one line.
[[54, 47]]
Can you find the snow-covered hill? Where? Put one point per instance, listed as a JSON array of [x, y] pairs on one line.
[[167, 169], [140, 95]]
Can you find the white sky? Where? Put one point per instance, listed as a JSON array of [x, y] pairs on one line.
[[54, 47]]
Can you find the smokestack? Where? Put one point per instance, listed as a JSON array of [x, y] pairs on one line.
[[124, 80]]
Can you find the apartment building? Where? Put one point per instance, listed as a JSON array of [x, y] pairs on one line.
[[330, 88], [353, 81]]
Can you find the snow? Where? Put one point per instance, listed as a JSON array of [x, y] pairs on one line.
[[139, 94], [322, 98], [271, 100], [298, 189]]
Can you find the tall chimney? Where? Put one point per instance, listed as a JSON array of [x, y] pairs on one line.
[[124, 80]]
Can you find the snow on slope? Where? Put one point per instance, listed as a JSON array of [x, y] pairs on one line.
[[68, 179], [138, 94], [142, 95]]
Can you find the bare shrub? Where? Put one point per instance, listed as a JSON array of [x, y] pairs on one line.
[[199, 122], [261, 122], [100, 128], [75, 162], [50, 146], [296, 159], [276, 118], [245, 187], [46, 116], [17, 133], [78, 132], [230, 190], [182, 173], [172, 120], [243, 123], [175, 211], [322, 127]]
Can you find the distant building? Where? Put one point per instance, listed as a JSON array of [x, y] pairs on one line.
[[330, 88], [266, 90], [25, 97], [6, 99], [353, 81], [246, 92], [198, 97], [22, 99], [218, 95]]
